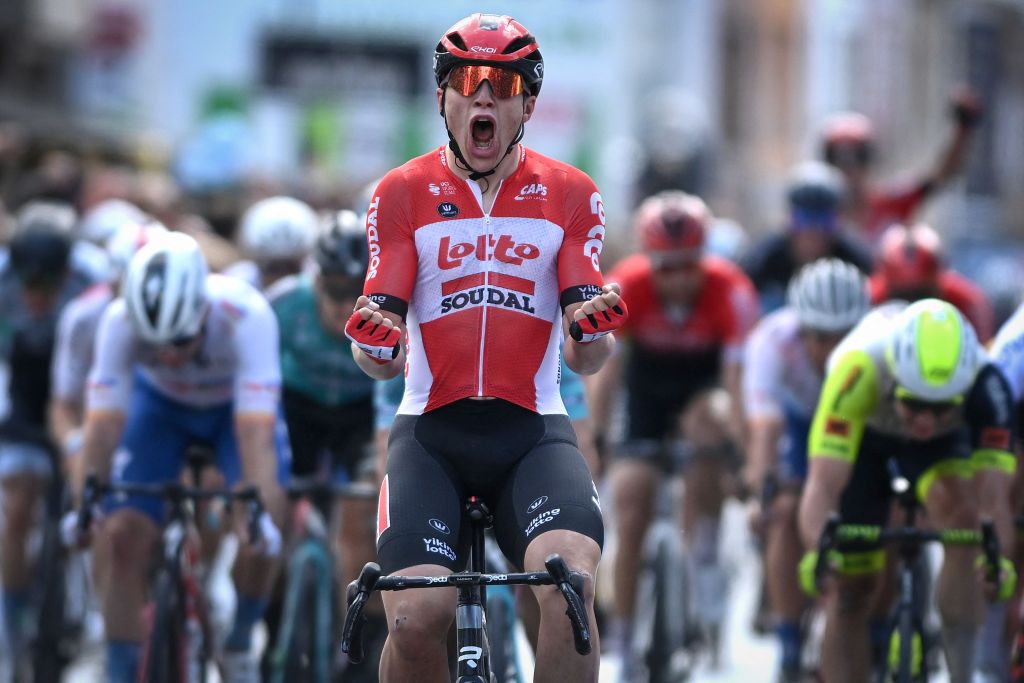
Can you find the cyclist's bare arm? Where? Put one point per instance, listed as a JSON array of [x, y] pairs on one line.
[[254, 433], [64, 416], [762, 450], [587, 359], [102, 433], [955, 154], [826, 479], [732, 375], [602, 387], [372, 312]]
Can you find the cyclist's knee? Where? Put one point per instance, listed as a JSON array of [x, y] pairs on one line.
[[580, 553], [20, 495], [854, 596], [418, 621], [127, 537], [784, 509], [704, 422]]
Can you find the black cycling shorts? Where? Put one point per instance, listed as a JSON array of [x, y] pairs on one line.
[[868, 496], [524, 466], [316, 431]]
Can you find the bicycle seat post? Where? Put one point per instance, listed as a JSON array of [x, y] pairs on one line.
[[480, 519]]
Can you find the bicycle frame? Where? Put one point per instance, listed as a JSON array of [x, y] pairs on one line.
[[473, 665], [909, 539]]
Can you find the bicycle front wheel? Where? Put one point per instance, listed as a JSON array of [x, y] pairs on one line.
[[501, 635], [303, 650], [163, 659]]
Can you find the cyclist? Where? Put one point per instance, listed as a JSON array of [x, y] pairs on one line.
[[37, 280], [488, 269], [911, 266], [910, 382], [180, 356], [691, 313], [814, 195], [327, 399], [783, 369], [276, 235], [1006, 351], [76, 333], [849, 143]]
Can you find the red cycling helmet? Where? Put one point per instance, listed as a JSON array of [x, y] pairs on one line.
[[490, 40], [672, 221], [847, 135], [910, 259]]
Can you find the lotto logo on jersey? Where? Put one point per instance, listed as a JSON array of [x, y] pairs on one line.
[[502, 248]]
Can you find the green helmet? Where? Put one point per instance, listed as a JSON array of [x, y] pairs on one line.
[[933, 352]]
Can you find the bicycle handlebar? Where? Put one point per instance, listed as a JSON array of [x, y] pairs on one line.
[[569, 584], [834, 534], [174, 492]]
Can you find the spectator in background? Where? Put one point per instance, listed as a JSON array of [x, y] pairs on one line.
[[814, 195], [911, 266], [848, 142]]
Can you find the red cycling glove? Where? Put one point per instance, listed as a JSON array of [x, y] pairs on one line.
[[597, 325], [377, 341]]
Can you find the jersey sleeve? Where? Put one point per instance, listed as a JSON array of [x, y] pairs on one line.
[[848, 397], [258, 379], [579, 257], [391, 274], [762, 375], [110, 379], [71, 360], [989, 412]]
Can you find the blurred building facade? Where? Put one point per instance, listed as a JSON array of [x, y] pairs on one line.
[[716, 96]]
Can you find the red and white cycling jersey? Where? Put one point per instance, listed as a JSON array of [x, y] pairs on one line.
[[485, 288], [725, 311]]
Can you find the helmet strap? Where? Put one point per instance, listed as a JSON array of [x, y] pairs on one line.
[[457, 151]]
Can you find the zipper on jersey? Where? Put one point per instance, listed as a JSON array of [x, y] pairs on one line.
[[487, 282]]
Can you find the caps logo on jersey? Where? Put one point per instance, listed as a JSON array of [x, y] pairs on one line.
[[447, 210]]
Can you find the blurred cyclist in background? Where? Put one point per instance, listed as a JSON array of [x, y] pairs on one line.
[[814, 195], [683, 345], [181, 356], [37, 280], [849, 143], [276, 235], [783, 372], [912, 266], [909, 384], [76, 334], [327, 399]]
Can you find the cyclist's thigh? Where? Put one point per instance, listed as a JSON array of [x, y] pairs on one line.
[[867, 496], [548, 488], [155, 437], [419, 513], [350, 438], [307, 432], [24, 450]]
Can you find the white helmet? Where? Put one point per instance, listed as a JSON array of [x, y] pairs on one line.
[[103, 220], [829, 295], [278, 228], [165, 289], [129, 238], [933, 351]]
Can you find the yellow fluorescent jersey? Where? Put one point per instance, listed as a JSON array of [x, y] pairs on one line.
[[858, 394]]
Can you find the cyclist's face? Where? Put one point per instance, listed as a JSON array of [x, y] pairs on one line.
[[810, 244], [678, 280], [922, 425], [336, 299], [482, 123], [818, 345], [180, 353]]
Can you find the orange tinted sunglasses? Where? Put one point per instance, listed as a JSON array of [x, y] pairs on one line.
[[466, 79]]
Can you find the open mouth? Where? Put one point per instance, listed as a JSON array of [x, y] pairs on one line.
[[483, 132]]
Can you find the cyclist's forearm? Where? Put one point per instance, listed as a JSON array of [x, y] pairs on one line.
[[762, 450], [993, 489], [101, 436], [587, 359], [257, 451], [64, 418], [815, 505], [379, 371]]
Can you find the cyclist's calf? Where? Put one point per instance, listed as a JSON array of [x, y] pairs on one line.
[[124, 550], [21, 493]]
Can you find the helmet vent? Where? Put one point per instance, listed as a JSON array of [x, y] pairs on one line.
[[457, 41], [152, 288], [518, 44]]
